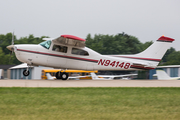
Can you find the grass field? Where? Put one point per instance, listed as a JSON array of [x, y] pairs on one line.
[[90, 103]]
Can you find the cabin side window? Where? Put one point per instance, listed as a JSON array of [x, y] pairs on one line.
[[46, 44], [59, 48], [77, 51]]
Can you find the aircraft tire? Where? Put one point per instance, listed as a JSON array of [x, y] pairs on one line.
[[26, 73], [58, 75], [64, 76]]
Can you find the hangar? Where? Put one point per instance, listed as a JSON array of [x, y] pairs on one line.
[[5, 73]]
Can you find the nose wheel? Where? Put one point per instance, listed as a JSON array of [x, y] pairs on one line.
[[26, 72]]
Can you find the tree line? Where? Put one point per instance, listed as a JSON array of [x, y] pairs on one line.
[[105, 44]]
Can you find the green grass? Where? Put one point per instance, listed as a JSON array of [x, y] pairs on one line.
[[90, 103]]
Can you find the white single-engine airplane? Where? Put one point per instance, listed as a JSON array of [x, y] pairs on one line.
[[69, 52]]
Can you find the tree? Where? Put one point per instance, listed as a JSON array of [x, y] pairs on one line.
[[173, 58], [169, 51], [118, 44]]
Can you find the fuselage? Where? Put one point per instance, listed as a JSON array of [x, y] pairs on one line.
[[69, 59], [69, 52]]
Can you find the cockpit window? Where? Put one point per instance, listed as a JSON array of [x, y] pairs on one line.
[[46, 44], [77, 51], [59, 48]]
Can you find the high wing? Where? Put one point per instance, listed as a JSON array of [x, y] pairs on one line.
[[70, 40]]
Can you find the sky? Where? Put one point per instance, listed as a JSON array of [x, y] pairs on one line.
[[145, 19]]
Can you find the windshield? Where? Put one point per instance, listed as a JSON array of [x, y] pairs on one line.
[[46, 44]]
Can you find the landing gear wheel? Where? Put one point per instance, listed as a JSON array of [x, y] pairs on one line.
[[26, 72], [64, 76], [58, 75]]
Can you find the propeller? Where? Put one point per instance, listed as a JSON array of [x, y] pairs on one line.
[[11, 47]]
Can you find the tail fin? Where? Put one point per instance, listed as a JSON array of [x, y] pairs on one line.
[[49, 77], [157, 50], [94, 76], [162, 75], [150, 58]]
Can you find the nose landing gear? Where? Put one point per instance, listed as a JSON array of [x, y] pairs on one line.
[[26, 72]]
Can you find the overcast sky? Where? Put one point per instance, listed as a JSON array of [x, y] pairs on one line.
[[145, 19]]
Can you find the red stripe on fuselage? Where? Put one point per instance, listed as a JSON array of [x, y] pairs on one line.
[[151, 59], [70, 57], [141, 67]]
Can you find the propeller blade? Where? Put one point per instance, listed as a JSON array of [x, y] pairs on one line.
[[10, 56], [13, 38], [11, 47]]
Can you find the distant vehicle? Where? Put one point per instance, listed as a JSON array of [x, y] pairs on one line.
[[69, 52], [162, 75], [72, 73], [112, 77]]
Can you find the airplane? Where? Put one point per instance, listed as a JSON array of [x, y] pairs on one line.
[[110, 77], [162, 75], [69, 52]]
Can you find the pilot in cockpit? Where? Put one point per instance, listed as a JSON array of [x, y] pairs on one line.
[[57, 49]]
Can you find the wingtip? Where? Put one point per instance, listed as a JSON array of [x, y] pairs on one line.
[[73, 37], [165, 39]]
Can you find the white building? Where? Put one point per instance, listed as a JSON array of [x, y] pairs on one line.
[[35, 72]]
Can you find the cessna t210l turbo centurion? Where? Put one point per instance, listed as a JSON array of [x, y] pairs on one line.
[[69, 52]]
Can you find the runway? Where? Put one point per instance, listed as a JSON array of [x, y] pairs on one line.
[[90, 83]]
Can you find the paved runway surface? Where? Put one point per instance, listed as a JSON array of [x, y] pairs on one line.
[[90, 83]]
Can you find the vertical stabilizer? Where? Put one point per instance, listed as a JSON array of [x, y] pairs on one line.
[[150, 58], [49, 77], [162, 75], [94, 76], [157, 50]]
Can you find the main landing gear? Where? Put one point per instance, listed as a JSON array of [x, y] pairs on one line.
[[62, 75]]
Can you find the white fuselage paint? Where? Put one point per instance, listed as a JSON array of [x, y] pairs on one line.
[[38, 55]]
